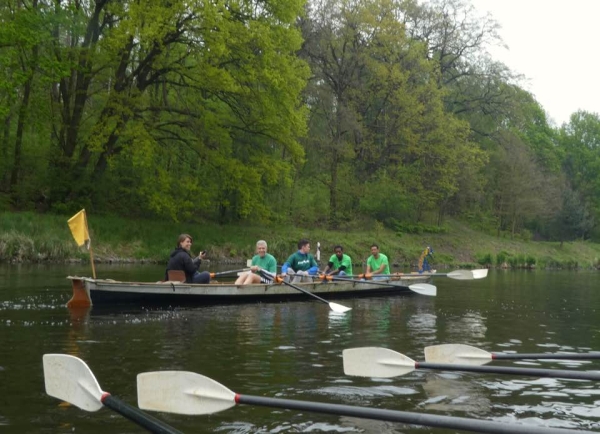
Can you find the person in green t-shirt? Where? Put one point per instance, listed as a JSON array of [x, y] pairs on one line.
[[261, 261], [300, 265], [339, 263], [378, 263]]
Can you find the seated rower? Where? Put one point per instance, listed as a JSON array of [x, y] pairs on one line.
[[261, 261], [378, 264], [339, 264], [181, 259], [300, 265]]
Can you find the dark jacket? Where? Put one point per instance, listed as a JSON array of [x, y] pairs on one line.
[[181, 260]]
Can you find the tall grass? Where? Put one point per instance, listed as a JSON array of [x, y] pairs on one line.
[[29, 237]]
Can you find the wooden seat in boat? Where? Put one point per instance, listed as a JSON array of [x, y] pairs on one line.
[[176, 275]]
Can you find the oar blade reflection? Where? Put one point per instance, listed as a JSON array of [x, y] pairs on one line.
[[424, 289]]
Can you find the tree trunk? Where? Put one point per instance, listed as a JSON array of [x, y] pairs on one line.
[[28, 68], [333, 199], [4, 178]]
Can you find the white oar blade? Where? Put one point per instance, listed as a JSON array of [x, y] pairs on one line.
[[376, 362], [480, 274], [424, 289], [338, 308], [457, 354], [182, 393], [69, 379], [461, 275]]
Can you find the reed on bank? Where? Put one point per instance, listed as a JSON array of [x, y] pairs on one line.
[[30, 237]]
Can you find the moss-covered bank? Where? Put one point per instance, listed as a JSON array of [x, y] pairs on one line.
[[29, 237]]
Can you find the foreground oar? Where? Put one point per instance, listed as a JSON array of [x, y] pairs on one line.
[[69, 379], [333, 306], [194, 394], [456, 274], [223, 273], [419, 288], [385, 363], [460, 353]]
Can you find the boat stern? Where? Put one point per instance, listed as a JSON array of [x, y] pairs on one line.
[[81, 295]]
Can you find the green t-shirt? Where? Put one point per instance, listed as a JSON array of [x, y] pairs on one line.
[[267, 263], [345, 262], [375, 264], [301, 262]]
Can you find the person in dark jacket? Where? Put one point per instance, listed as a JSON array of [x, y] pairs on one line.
[[181, 259]]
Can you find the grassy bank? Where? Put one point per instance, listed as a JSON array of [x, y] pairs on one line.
[[28, 237]]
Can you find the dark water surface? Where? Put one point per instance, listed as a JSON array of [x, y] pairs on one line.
[[294, 350]]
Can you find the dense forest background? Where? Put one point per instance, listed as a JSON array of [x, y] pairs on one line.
[[328, 113]]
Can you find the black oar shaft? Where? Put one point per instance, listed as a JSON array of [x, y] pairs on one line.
[[306, 292], [532, 372], [561, 356], [152, 424], [370, 282], [222, 273], [431, 420]]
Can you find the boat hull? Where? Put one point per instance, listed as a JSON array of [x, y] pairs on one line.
[[87, 291]]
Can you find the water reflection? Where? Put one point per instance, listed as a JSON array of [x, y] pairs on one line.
[[469, 328], [448, 393]]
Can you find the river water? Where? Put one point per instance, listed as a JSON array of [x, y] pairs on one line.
[[293, 350]]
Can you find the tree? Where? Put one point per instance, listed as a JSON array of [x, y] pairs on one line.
[[580, 142], [521, 190]]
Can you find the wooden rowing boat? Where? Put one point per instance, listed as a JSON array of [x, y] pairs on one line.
[[88, 291]]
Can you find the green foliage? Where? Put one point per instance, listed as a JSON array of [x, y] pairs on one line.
[[502, 257], [416, 228], [484, 259], [337, 114]]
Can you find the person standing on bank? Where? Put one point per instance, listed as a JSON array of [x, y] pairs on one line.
[[339, 263], [261, 261], [300, 264], [378, 263], [181, 259]]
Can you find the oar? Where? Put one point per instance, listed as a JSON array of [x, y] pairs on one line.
[[460, 353], [69, 379], [385, 363], [419, 288], [333, 306], [456, 274], [194, 394], [461, 274], [223, 273]]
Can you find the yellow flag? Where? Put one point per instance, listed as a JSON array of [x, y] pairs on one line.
[[79, 228]]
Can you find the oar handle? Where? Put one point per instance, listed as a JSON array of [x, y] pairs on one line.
[[136, 415], [431, 420], [574, 356], [532, 372]]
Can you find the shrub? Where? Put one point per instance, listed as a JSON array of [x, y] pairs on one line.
[[502, 257], [530, 261], [484, 259]]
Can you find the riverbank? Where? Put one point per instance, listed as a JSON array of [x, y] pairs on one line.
[[29, 237]]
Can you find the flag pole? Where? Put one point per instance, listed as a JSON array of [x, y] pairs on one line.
[[92, 259], [90, 249]]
